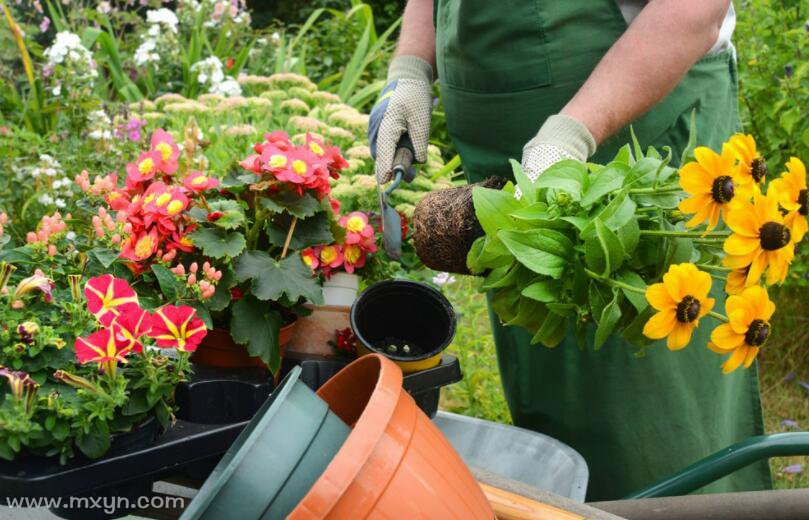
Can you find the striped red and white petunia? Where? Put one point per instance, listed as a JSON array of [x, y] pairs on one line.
[[109, 297], [177, 327], [130, 326], [104, 348]]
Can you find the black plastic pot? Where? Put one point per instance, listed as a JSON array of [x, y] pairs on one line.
[[408, 322]]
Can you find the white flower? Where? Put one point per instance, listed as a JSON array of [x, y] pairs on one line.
[[229, 87], [70, 235], [146, 53], [164, 17], [443, 279], [104, 7], [56, 90], [45, 199], [60, 203]]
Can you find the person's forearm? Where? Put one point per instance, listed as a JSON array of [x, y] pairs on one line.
[[646, 63], [417, 37]]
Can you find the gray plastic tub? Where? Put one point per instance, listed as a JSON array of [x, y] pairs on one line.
[[517, 454]]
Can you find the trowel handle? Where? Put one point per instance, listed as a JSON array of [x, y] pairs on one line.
[[403, 159]]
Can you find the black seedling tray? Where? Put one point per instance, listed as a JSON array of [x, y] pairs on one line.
[[214, 407]]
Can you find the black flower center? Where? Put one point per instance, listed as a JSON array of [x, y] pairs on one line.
[[757, 333], [758, 168], [802, 201], [774, 236], [722, 189], [688, 309]]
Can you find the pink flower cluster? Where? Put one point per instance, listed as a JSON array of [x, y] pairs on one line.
[[102, 222], [301, 168], [3, 221], [351, 254], [209, 277], [101, 185], [48, 226]]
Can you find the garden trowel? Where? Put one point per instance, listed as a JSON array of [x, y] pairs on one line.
[[391, 221]]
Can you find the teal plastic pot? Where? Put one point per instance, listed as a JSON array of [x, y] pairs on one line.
[[275, 460]]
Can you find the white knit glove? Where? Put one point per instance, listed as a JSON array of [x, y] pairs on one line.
[[561, 137], [405, 106]]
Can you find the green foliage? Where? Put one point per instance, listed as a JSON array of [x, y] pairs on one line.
[[572, 249]]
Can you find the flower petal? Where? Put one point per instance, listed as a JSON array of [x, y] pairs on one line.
[[660, 325], [659, 297], [737, 244], [680, 336], [742, 220], [725, 338], [735, 360], [752, 352]]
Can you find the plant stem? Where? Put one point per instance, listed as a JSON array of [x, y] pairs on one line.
[[683, 234], [289, 237], [252, 236], [614, 283], [717, 316], [654, 191], [709, 267]]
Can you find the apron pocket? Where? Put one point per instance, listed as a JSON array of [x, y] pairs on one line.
[[491, 46]]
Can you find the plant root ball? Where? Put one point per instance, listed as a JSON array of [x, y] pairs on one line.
[[445, 226]]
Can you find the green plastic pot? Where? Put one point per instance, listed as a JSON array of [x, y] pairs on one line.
[[275, 460]]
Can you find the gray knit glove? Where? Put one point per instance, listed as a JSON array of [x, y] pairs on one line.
[[405, 106], [561, 137]]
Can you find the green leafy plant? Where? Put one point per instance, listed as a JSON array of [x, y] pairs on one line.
[[580, 245]]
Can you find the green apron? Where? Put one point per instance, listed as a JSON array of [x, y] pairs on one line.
[[505, 66]]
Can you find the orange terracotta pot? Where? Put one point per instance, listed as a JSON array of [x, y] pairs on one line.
[[219, 350], [395, 463]]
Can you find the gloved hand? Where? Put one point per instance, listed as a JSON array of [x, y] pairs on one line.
[[561, 137], [405, 106]]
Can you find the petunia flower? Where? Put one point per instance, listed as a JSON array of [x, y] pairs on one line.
[[103, 347], [713, 185], [792, 195], [20, 383], [178, 327], [748, 328], [760, 239], [163, 143], [199, 182], [37, 282], [681, 300], [129, 326], [108, 297]]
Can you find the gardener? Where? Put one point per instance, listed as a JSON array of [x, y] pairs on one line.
[[564, 78]]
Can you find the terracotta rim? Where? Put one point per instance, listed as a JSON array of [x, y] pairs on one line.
[[368, 428]]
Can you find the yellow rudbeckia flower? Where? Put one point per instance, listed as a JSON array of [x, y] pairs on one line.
[[737, 280], [792, 194], [681, 300], [712, 183], [748, 329], [759, 240], [753, 168]]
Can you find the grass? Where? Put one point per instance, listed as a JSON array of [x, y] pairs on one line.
[[784, 364]]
